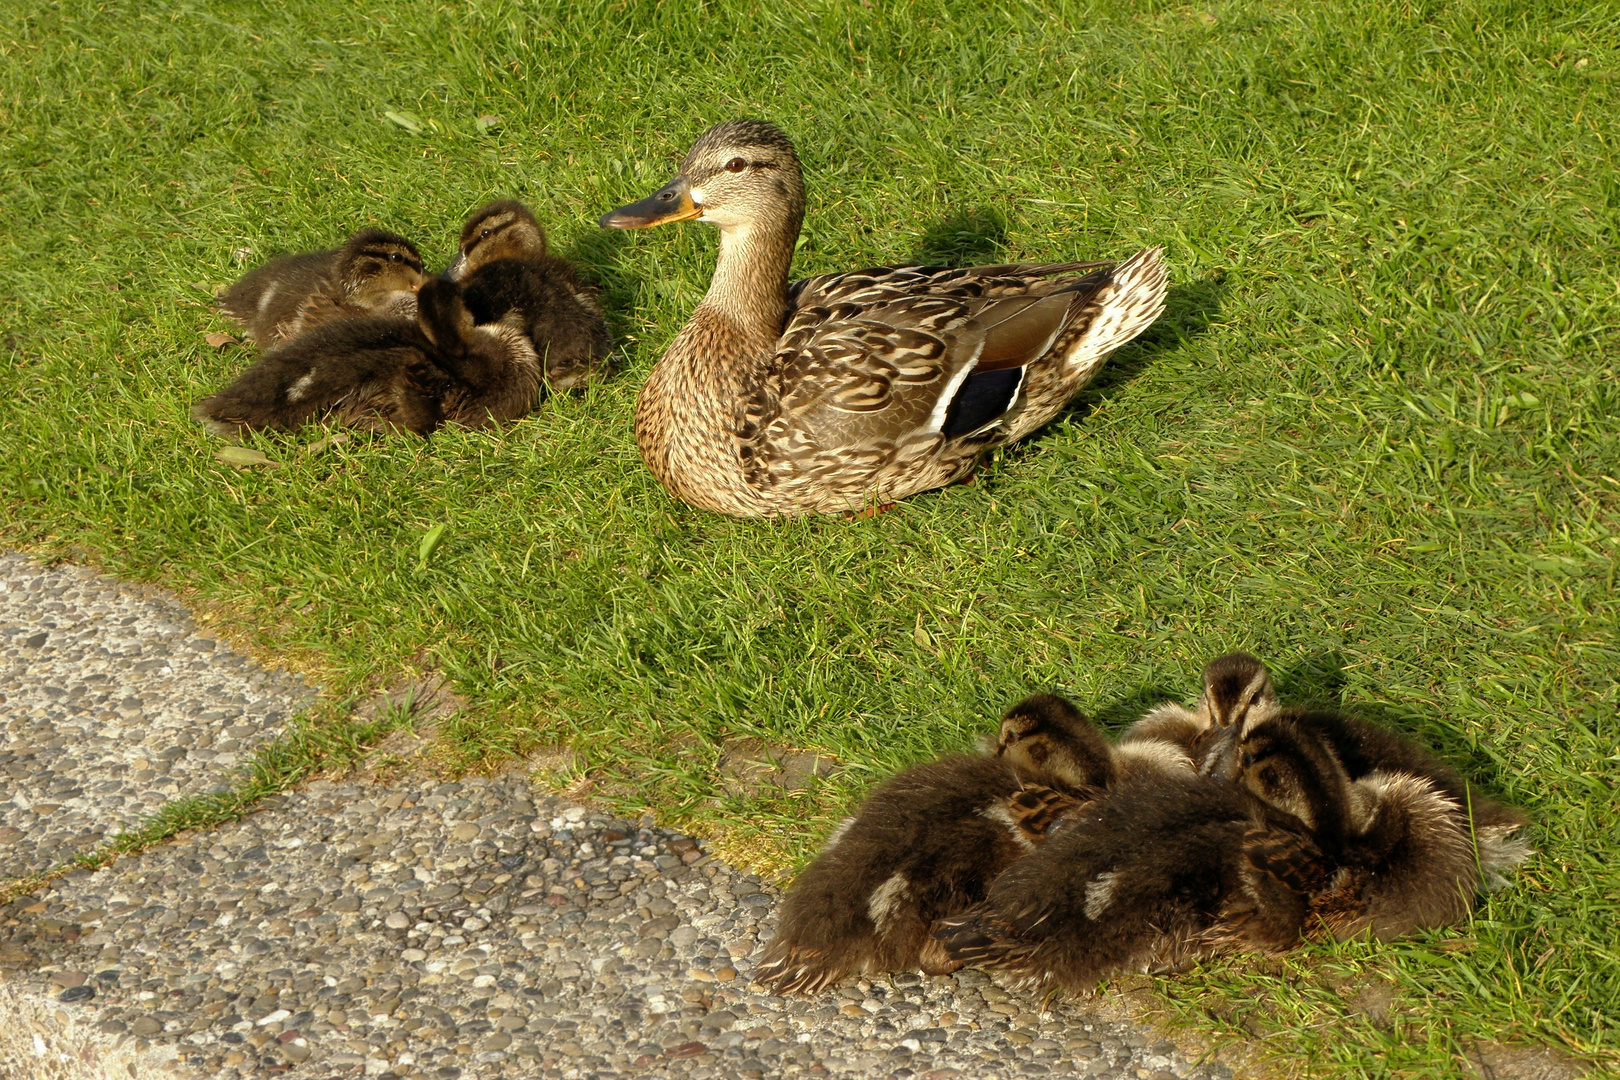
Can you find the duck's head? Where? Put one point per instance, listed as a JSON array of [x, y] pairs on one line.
[[501, 230], [375, 266], [1237, 693], [738, 175], [1047, 735], [1293, 768]]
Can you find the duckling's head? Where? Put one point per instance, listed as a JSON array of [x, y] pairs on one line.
[[1296, 771], [1046, 735], [501, 230], [376, 266], [442, 314], [739, 175], [1237, 693]]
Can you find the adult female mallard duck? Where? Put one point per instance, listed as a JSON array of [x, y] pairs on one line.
[[848, 391]]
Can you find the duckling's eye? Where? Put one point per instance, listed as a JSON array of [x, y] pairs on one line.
[[736, 164], [483, 234], [393, 256], [1248, 759]]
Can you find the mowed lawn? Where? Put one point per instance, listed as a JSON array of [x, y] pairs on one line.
[[1374, 439]]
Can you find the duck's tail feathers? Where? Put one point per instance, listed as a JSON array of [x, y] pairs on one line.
[[1119, 311]]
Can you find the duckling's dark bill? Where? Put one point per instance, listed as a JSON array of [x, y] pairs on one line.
[[672, 202]]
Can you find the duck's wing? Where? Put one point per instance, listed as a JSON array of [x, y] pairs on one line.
[[915, 350]]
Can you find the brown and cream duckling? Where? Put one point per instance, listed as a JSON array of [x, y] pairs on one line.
[[1047, 736], [1237, 689], [384, 373], [374, 273], [1167, 867], [1407, 856], [926, 845], [508, 276]]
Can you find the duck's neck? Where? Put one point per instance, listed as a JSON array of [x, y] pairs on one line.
[[749, 289]]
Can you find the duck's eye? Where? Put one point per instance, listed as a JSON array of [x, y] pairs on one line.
[[483, 234], [393, 256], [1248, 759], [736, 164], [1012, 737]]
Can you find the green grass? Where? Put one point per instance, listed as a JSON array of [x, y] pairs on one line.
[[1374, 440]]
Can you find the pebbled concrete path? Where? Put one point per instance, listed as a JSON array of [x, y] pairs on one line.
[[417, 928]]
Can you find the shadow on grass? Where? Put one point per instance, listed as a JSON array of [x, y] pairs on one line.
[[966, 238], [598, 255]]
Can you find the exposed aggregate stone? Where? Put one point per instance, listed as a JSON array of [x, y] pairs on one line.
[[473, 930], [112, 702]]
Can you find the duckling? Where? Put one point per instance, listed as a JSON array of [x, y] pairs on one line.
[[382, 373], [494, 369], [375, 272], [1236, 687], [1401, 842], [925, 845], [1165, 868], [507, 276], [372, 372], [1046, 736], [1365, 748]]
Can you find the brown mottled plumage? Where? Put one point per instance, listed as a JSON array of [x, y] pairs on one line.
[[374, 273], [385, 373], [848, 390], [507, 276]]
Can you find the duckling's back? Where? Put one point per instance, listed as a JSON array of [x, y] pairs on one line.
[[268, 297], [542, 295]]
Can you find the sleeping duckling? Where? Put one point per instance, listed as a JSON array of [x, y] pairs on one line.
[[374, 273], [372, 373], [1237, 688], [1046, 736], [507, 276], [381, 373], [494, 369], [1365, 748], [1401, 842], [1163, 869], [925, 845]]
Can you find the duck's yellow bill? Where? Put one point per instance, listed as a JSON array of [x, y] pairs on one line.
[[672, 202]]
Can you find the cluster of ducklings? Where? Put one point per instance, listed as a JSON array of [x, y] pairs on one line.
[[1062, 859], [361, 334]]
